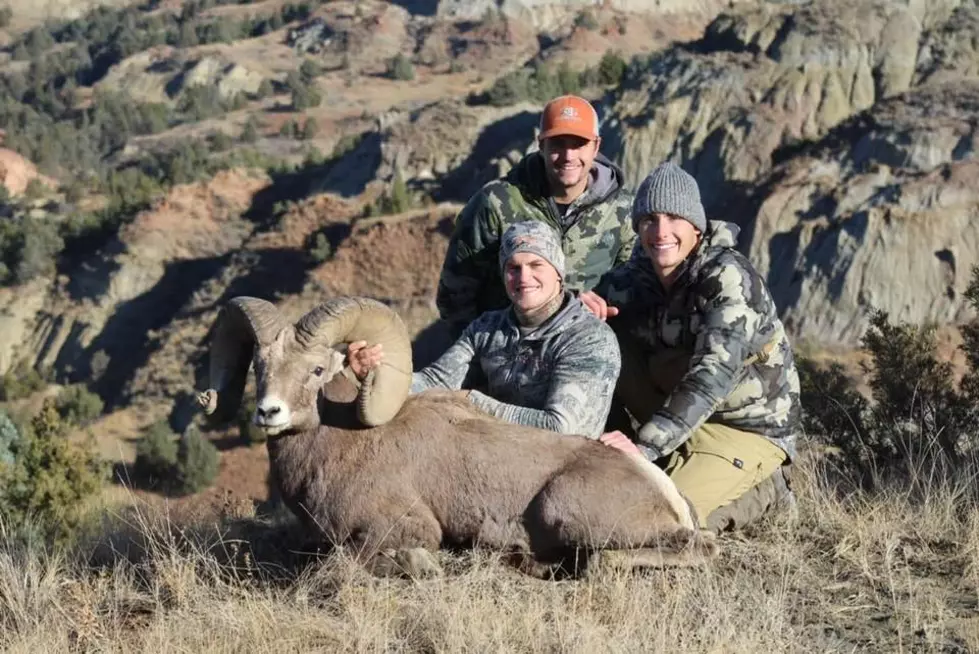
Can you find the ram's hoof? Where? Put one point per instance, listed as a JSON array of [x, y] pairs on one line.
[[208, 400], [419, 562], [414, 562]]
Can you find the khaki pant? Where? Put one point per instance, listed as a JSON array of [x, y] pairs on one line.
[[730, 477], [717, 466]]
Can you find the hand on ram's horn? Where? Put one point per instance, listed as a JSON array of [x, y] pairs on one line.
[[619, 441], [363, 359]]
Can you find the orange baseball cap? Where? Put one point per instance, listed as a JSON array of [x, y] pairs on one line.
[[569, 115]]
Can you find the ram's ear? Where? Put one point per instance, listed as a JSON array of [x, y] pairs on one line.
[[336, 362]]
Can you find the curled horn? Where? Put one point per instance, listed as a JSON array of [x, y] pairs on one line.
[[348, 319], [242, 323]]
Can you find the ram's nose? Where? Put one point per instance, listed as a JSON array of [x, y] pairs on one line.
[[271, 412]]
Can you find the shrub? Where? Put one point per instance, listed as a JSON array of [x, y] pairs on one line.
[[586, 20], [322, 249], [220, 142], [306, 97], [188, 35], [202, 101], [35, 189], [918, 419], [249, 133], [309, 70], [156, 456], [20, 381], [310, 129], [289, 129], [197, 462], [28, 247], [400, 68], [50, 479], [539, 84], [400, 198], [265, 89], [77, 405], [347, 144], [611, 68], [99, 364], [9, 436], [396, 200], [6, 14]]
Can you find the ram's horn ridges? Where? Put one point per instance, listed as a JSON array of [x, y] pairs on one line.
[[349, 319]]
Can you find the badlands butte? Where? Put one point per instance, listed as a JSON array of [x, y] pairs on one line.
[[297, 151]]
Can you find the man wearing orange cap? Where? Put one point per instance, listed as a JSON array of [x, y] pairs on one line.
[[567, 184]]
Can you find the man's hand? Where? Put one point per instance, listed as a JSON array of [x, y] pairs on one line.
[[619, 441], [363, 359], [597, 305]]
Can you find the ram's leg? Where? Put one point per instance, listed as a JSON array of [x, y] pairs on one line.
[[697, 551], [581, 509], [414, 562], [401, 546]]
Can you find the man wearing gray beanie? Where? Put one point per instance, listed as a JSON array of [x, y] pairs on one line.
[[707, 369], [669, 189]]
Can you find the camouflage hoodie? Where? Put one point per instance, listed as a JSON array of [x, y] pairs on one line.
[[720, 311], [596, 235], [560, 376]]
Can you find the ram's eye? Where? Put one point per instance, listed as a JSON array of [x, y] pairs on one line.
[[318, 370]]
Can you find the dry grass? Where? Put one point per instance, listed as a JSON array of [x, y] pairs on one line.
[[886, 573]]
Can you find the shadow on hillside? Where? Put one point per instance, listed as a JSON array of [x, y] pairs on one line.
[[128, 336], [347, 176], [504, 135], [89, 275], [418, 7], [270, 273]]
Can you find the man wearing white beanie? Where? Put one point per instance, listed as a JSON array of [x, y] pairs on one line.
[[546, 361]]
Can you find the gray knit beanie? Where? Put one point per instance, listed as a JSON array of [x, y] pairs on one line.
[[669, 189], [535, 237]]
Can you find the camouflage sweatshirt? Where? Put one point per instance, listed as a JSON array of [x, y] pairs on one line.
[[596, 233], [560, 376], [720, 311]]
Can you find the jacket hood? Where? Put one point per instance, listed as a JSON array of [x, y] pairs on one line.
[[529, 175]]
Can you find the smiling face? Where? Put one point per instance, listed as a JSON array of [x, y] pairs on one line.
[[567, 162], [531, 282], [667, 240]]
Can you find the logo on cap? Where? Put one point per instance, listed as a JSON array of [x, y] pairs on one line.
[[569, 112]]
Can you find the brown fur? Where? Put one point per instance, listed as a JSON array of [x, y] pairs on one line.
[[443, 473]]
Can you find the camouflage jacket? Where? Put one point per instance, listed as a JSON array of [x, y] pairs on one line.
[[741, 372], [560, 376], [596, 233]]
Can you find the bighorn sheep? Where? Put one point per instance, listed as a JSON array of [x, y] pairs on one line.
[[394, 477]]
